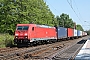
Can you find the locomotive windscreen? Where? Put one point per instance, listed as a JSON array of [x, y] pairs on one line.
[[22, 27]]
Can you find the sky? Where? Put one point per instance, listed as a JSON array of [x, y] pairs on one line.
[[81, 7]]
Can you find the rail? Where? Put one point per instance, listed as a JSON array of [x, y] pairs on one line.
[[75, 53]]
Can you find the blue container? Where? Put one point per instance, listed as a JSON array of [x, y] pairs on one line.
[[78, 33], [61, 32]]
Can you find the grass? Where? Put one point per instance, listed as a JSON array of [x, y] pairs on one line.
[[2, 46], [2, 38], [6, 40]]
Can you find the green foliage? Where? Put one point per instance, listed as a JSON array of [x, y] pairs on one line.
[[6, 40], [9, 40], [2, 40], [79, 27], [88, 32], [65, 21], [13, 12]]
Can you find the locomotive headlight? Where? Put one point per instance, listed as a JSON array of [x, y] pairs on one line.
[[26, 34], [16, 34], [26, 37], [16, 37]]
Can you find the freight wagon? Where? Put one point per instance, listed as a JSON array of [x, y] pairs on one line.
[[61, 33], [75, 33], [85, 34], [79, 33], [70, 33], [82, 33]]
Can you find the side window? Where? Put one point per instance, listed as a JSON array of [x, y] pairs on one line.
[[32, 28]]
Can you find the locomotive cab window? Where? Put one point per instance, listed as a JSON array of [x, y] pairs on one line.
[[22, 27], [32, 28]]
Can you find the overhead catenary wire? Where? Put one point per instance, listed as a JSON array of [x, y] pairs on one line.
[[70, 3], [74, 11], [70, 6], [52, 6], [79, 13], [77, 9]]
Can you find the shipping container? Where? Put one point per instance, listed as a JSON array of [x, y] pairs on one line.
[[61, 32], [82, 33], [75, 32], [78, 33], [70, 32], [85, 34]]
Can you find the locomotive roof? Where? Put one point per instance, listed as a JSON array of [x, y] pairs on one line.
[[44, 26]]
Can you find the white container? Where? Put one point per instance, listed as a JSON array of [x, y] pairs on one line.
[[85, 33], [75, 32], [80, 33]]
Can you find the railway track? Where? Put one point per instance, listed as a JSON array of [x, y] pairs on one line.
[[31, 52], [52, 53], [38, 52], [49, 53], [3, 50], [70, 52], [9, 53]]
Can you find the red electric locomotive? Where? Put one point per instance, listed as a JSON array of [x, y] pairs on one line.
[[27, 33]]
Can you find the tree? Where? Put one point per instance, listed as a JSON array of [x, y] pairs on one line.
[[88, 32], [13, 12], [65, 21], [79, 27]]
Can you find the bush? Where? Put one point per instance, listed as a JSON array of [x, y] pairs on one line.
[[8, 40]]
